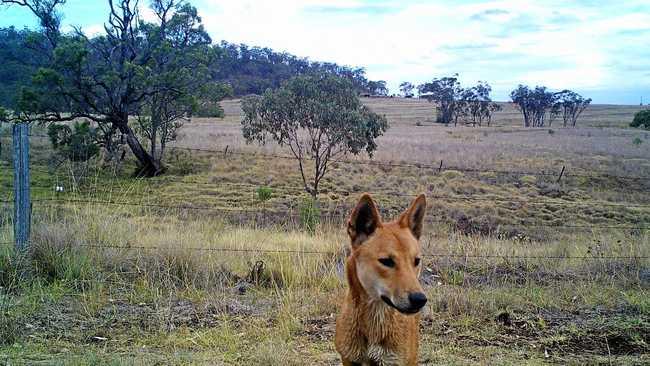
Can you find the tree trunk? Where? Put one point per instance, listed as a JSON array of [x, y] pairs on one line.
[[148, 165]]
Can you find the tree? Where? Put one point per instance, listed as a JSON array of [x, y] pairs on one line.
[[478, 105], [407, 89], [20, 58], [570, 105], [319, 117], [641, 119], [179, 62], [252, 70], [534, 104], [446, 94], [48, 16], [120, 74], [378, 88]]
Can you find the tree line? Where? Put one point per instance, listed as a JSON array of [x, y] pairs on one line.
[[539, 106], [454, 103], [245, 69]]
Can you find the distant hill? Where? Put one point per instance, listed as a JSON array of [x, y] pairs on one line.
[[249, 70]]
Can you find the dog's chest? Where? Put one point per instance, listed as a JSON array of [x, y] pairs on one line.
[[376, 355], [366, 353]]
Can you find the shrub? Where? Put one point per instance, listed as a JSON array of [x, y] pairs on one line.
[[528, 179], [209, 110], [637, 141], [641, 119], [75, 144], [264, 193], [309, 214], [451, 174]]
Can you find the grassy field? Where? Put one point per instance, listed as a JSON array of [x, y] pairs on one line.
[[196, 269]]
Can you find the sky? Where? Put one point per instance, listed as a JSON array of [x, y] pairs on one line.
[[600, 49]]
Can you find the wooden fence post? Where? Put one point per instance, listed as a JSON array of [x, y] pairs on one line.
[[561, 174], [22, 206]]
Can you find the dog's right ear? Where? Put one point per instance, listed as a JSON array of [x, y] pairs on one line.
[[364, 220]]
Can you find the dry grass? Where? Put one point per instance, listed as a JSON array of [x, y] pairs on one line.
[[599, 143], [494, 297], [171, 304]]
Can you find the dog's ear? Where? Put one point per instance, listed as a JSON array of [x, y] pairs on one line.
[[413, 217], [364, 220]]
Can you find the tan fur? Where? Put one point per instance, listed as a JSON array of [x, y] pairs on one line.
[[368, 330]]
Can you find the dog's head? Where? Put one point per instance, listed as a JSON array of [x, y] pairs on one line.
[[387, 256]]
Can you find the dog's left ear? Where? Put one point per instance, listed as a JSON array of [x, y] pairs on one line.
[[413, 217]]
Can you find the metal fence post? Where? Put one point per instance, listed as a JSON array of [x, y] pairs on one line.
[[22, 206]]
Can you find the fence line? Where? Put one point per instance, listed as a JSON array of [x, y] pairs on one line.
[[413, 165], [297, 189], [318, 252], [437, 168], [337, 214]]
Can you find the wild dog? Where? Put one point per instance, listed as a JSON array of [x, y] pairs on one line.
[[378, 321]]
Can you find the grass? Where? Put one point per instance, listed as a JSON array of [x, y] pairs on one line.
[[126, 284]]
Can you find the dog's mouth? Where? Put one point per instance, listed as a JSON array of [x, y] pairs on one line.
[[408, 311]]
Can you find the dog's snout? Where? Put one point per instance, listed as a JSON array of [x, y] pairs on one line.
[[417, 299]]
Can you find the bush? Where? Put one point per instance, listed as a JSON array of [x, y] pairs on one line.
[[528, 179], [641, 119], [75, 144], [264, 193], [209, 110], [309, 214]]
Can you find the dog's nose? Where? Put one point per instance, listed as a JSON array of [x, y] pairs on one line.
[[417, 299]]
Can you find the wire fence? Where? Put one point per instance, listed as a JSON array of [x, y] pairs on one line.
[[593, 174], [208, 248], [343, 214], [332, 214]]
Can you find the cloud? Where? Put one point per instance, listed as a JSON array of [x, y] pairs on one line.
[[367, 10], [505, 42], [489, 14], [588, 45]]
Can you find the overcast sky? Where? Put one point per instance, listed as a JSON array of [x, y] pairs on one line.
[[598, 48]]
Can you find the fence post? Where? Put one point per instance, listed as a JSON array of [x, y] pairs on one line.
[[561, 174], [22, 206]]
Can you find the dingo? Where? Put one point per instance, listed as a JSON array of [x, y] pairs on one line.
[[378, 321]]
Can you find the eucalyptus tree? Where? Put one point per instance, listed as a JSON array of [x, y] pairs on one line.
[[132, 67], [570, 105], [536, 105], [180, 55], [446, 93], [407, 89], [319, 117]]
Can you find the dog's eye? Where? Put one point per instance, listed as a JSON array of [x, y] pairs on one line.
[[417, 262], [388, 262]]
